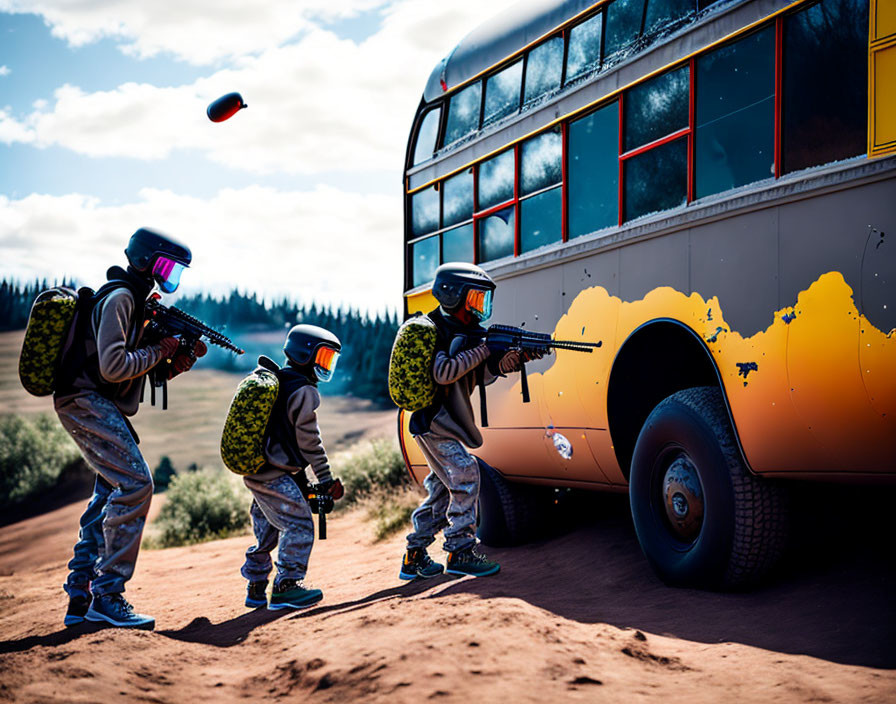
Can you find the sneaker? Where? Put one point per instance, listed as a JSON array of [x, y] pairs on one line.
[[416, 563], [468, 561], [77, 609], [115, 609], [256, 594], [290, 594]]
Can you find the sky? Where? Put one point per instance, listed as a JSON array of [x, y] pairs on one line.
[[103, 130]]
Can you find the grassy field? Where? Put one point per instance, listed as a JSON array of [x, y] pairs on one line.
[[190, 430]]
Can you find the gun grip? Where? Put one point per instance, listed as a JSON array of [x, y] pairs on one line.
[[322, 525], [524, 382]]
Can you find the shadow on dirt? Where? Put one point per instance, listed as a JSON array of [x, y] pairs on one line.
[[832, 598], [236, 630], [51, 640]]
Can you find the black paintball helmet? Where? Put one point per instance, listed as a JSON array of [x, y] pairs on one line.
[[308, 345], [458, 285], [158, 256]]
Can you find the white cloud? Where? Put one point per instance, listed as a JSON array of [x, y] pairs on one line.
[[322, 245], [320, 104], [5, 70]]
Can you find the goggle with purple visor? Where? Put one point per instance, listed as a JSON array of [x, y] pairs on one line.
[[167, 273]]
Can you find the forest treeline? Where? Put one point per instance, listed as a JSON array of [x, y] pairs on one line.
[[260, 327]]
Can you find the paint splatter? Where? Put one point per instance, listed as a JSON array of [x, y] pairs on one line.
[[744, 368], [562, 445], [715, 335], [788, 317], [709, 314]]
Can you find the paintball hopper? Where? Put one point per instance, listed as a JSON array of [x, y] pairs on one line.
[[225, 107]]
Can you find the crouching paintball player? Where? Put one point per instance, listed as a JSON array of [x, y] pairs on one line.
[[99, 385], [444, 427], [281, 516]]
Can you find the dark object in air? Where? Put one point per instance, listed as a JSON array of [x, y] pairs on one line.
[[146, 245], [225, 107], [164, 321], [303, 341], [502, 338]]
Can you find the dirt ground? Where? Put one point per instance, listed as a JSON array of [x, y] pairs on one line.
[[579, 617]]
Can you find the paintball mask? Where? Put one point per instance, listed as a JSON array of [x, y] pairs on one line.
[[166, 273], [479, 303], [325, 363]]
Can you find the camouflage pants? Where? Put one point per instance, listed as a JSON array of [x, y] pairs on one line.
[[120, 502], [453, 486], [281, 519]]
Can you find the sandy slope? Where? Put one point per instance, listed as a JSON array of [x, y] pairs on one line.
[[576, 618]]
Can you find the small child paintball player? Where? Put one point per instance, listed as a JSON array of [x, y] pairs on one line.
[[104, 373], [280, 513], [442, 429]]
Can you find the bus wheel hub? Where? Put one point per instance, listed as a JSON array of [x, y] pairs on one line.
[[683, 499]]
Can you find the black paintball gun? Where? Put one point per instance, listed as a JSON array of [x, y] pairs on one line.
[[320, 500], [167, 321], [531, 345]]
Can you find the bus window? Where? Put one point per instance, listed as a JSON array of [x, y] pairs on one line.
[[425, 211], [663, 13], [496, 180], [541, 172], [457, 198], [426, 136], [584, 47], [825, 84], [593, 163], [735, 118], [544, 69], [502, 93], [656, 108], [623, 24], [457, 244], [425, 260], [496, 234], [657, 179], [463, 112]]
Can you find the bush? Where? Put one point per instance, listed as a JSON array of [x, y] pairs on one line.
[[33, 454], [163, 474], [380, 466], [201, 506], [393, 513]]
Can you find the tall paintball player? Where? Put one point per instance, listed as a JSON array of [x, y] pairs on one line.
[[100, 385]]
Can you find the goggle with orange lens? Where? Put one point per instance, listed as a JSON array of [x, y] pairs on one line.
[[479, 303], [325, 363]]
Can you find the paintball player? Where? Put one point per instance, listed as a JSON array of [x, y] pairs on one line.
[[464, 293], [280, 513], [101, 384]]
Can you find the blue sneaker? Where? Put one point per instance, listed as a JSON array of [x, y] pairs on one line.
[[290, 594], [256, 594], [416, 563], [470, 562], [77, 609], [115, 609]]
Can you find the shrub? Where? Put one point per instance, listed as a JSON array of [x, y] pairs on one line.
[[201, 506], [33, 454], [392, 513], [163, 474], [380, 466]]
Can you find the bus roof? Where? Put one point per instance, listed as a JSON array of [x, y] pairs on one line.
[[500, 37]]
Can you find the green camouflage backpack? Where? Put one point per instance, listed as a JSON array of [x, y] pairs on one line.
[[46, 337], [242, 442], [411, 384]]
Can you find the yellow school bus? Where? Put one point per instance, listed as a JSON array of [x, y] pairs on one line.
[[709, 190]]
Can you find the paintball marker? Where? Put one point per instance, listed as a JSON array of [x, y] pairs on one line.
[[502, 338], [163, 321], [320, 500]]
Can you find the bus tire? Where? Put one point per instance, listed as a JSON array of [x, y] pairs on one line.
[[509, 514], [702, 519]]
